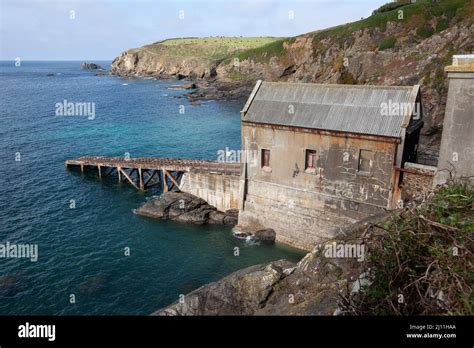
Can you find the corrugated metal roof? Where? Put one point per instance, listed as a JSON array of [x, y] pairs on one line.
[[342, 108]]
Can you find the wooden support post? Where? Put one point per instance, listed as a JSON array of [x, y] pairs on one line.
[[172, 179], [165, 181], [119, 174], [100, 173], [82, 168], [178, 178], [129, 179], [140, 178], [158, 177]]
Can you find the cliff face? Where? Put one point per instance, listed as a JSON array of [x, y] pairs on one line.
[[408, 45], [195, 58], [143, 62]]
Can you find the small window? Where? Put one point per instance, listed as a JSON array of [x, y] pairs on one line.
[[265, 158], [310, 159], [366, 159]]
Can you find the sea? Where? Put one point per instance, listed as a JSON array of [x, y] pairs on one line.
[[94, 255]]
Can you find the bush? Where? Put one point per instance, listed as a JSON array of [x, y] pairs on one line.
[[425, 31], [442, 24], [420, 260], [387, 43], [347, 78], [388, 7]]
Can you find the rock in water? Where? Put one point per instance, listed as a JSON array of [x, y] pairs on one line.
[[265, 236], [91, 66], [189, 86], [187, 208], [231, 217]]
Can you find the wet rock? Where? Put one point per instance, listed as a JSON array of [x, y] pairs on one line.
[[91, 66], [189, 86], [265, 236], [11, 284], [231, 217], [185, 207], [217, 217]]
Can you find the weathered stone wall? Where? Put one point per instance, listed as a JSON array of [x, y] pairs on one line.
[[417, 181], [299, 218], [306, 206], [221, 191]]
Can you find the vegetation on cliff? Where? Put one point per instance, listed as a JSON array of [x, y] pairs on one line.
[[208, 48], [421, 260]]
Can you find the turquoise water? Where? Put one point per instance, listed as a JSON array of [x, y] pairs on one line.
[[81, 250]]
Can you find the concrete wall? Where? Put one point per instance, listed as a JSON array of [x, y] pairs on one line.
[[221, 191], [303, 206], [457, 142]]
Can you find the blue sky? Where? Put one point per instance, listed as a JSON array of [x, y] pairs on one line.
[[101, 29]]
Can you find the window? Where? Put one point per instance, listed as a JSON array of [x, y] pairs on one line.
[[366, 159], [310, 162], [265, 158]]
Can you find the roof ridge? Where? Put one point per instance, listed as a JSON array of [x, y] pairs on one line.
[[335, 85]]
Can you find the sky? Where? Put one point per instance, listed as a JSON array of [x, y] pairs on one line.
[[102, 29]]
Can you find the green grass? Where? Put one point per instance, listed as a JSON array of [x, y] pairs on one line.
[[424, 31], [274, 48], [207, 48], [442, 24], [389, 7], [388, 42], [379, 20]]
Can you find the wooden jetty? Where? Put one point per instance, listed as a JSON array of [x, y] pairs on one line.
[[145, 172]]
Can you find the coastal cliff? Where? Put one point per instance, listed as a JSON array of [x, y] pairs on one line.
[[407, 45], [194, 58]]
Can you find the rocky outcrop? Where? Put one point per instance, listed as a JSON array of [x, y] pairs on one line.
[[265, 236], [187, 208], [91, 66], [216, 90], [144, 62], [242, 293], [310, 287]]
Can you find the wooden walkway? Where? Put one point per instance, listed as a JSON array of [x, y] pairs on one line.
[[145, 172]]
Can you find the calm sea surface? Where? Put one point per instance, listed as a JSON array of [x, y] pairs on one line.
[[81, 250]]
